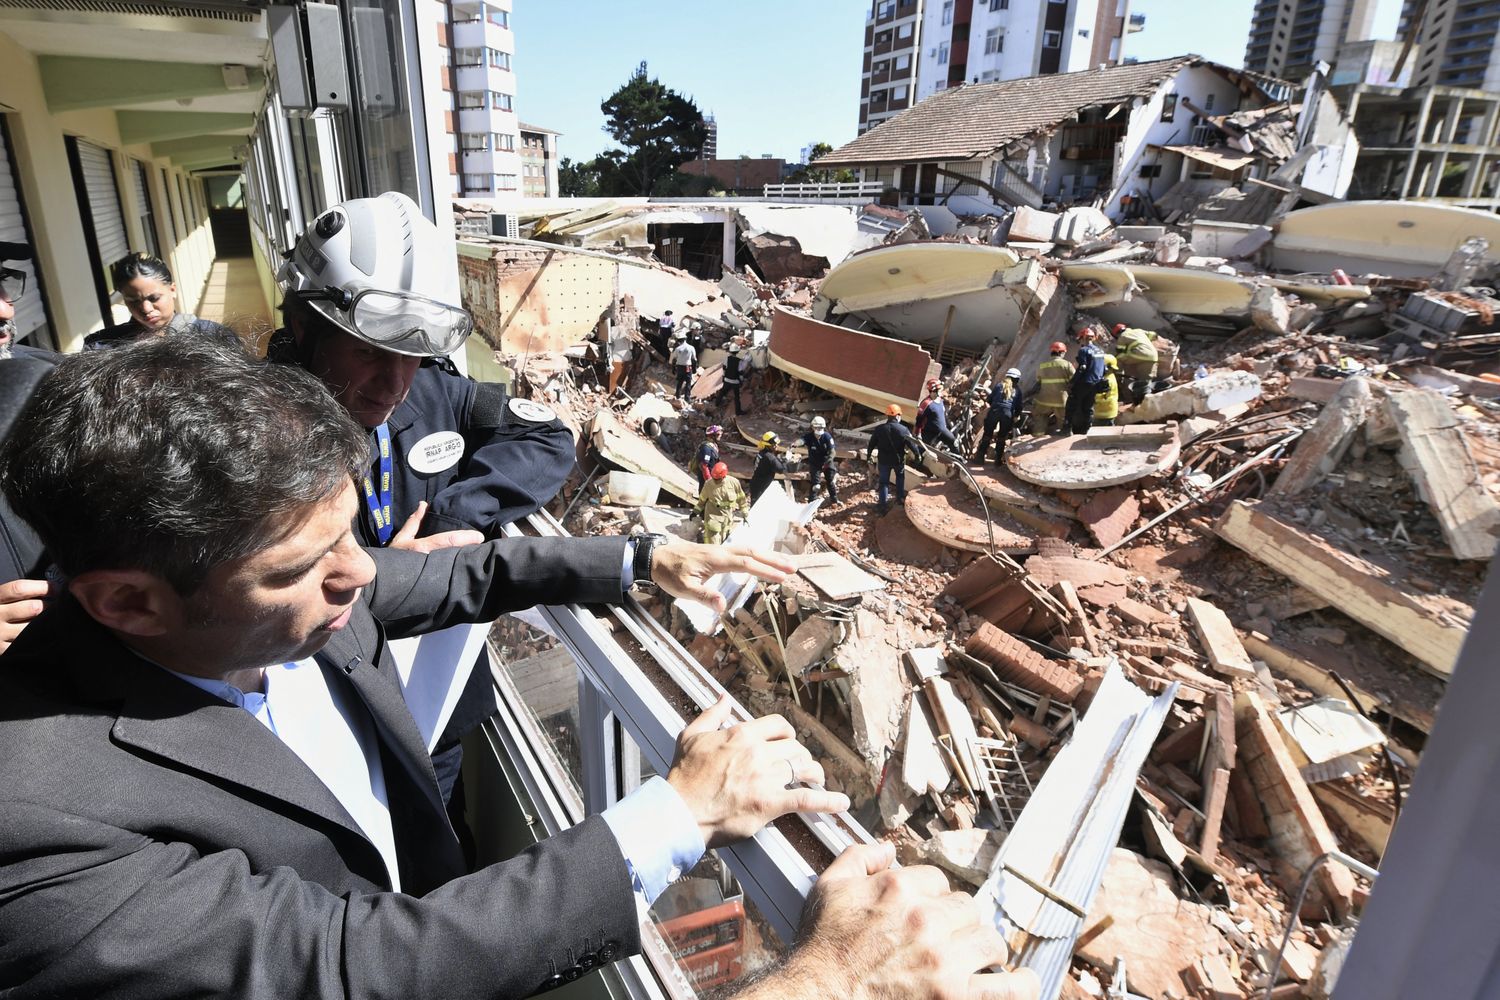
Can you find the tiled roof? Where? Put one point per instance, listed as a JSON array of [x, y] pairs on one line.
[[976, 118]]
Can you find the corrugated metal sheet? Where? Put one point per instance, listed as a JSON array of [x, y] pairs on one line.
[[1051, 864]]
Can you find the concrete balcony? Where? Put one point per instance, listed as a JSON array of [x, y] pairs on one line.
[[483, 34]]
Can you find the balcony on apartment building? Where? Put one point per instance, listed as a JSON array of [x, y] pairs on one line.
[[478, 24], [1137, 23]]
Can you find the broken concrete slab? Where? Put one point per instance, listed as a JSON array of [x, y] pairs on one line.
[[1434, 454], [618, 445], [1269, 310], [871, 656], [1321, 449], [1138, 917], [1205, 395], [810, 643], [969, 854], [1299, 833], [1004, 491], [1032, 225], [1431, 629], [871, 370], [835, 576], [1220, 643], [1110, 515], [948, 512], [1105, 456], [924, 766]]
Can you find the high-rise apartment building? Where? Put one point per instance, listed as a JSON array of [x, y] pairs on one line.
[[1289, 37], [711, 144], [915, 48], [538, 161], [483, 130], [1455, 42]]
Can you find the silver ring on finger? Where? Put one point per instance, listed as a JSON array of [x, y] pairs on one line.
[[791, 773]]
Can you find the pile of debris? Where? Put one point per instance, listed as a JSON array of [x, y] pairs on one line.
[[1253, 588]]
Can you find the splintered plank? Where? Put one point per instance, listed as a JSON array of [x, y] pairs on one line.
[[1220, 643], [1433, 631], [1434, 454]]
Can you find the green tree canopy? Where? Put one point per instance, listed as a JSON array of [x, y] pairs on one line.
[[659, 128], [810, 174], [578, 180]]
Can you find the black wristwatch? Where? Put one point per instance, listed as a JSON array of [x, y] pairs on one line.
[[640, 560]]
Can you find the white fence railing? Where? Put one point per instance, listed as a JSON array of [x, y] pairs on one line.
[[849, 189]]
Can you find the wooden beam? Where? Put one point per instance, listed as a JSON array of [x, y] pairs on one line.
[[1430, 629], [1434, 454]]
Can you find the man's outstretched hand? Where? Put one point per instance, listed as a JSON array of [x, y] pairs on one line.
[[734, 781], [683, 569], [873, 933]]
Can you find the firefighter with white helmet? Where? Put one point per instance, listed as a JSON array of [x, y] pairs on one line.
[[372, 308], [820, 451]]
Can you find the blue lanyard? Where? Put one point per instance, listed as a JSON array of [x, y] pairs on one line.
[[380, 509]]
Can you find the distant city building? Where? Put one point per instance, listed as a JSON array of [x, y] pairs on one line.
[[711, 144], [538, 161], [478, 49], [1455, 43], [740, 176], [1289, 37], [916, 48]]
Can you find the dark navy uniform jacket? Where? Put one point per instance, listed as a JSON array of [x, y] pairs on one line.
[[1090, 366], [890, 441], [511, 464], [708, 455], [768, 465], [819, 449], [1000, 405]]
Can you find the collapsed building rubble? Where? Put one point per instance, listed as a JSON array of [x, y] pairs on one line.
[[1257, 583]]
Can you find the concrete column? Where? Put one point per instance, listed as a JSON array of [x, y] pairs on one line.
[[1476, 173], [1434, 173], [1451, 119], [1411, 159]]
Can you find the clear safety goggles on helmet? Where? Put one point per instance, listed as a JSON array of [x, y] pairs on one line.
[[399, 321]]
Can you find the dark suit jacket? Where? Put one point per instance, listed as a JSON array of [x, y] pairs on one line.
[[157, 842]]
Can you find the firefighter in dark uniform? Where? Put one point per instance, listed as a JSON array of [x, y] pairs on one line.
[[1005, 405], [890, 441], [708, 453], [371, 310], [768, 465], [820, 451], [1088, 380]]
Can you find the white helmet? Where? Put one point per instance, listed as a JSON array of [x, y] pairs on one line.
[[818, 423], [1013, 373], [378, 269]]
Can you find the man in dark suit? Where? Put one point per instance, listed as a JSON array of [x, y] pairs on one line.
[[215, 787]]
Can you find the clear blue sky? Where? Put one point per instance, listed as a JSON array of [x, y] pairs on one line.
[[778, 75]]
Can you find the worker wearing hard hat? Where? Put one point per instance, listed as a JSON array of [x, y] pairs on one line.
[[722, 503], [1051, 402], [1107, 399], [708, 453], [1005, 405], [768, 465], [1088, 380], [891, 440], [820, 451], [1136, 351]]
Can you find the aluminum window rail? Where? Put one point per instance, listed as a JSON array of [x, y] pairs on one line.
[[775, 874]]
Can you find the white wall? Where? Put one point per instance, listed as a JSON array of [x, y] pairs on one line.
[[46, 184], [1195, 83]]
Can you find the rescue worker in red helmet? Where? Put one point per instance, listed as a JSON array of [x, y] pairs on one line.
[[1051, 403]]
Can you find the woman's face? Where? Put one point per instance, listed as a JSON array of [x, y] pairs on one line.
[[152, 303]]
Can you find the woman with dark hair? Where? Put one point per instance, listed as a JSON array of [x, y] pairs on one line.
[[145, 283]]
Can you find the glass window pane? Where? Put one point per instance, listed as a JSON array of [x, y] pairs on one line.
[[393, 151], [545, 675]]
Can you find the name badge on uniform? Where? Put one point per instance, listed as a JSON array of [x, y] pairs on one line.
[[530, 411], [436, 452]]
